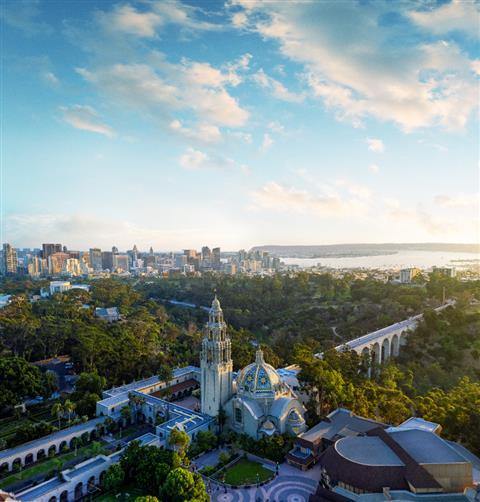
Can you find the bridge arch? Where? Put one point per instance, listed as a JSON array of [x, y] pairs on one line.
[[376, 354], [395, 345], [64, 496], [385, 350]]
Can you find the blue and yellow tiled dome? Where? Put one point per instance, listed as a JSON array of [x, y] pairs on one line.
[[258, 378]]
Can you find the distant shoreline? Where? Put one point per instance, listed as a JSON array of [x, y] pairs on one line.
[[362, 250]]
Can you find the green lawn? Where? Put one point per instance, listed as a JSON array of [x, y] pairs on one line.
[[46, 466], [246, 472]]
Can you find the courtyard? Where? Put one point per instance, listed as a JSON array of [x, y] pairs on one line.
[[291, 485], [245, 472]]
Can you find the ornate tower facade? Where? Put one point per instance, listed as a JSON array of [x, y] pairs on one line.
[[215, 363]]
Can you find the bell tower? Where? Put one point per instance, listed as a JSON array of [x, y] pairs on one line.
[[215, 363]]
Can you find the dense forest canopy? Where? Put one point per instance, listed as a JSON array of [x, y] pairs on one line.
[[292, 316]]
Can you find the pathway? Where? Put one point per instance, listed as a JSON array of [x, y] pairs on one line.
[[291, 485]]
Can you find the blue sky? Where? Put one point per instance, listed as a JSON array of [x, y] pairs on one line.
[[239, 123]]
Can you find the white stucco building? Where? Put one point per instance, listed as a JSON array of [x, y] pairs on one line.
[[259, 403]]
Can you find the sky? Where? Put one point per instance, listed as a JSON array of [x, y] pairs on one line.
[[178, 124]]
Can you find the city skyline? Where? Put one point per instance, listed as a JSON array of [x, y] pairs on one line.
[[167, 124]]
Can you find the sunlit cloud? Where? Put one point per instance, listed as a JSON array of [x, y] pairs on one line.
[[375, 145], [85, 118]]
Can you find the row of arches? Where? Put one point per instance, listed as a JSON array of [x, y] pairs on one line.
[[81, 490], [30, 457], [379, 352]]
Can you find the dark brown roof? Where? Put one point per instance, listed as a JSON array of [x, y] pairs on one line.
[[415, 474], [365, 477], [187, 384]]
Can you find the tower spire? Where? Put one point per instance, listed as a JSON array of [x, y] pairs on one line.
[[215, 362]]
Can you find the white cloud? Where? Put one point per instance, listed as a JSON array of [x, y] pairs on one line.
[[281, 198], [206, 133], [373, 168], [78, 231], [457, 201], [239, 19], [51, 78], [85, 118], [194, 159], [127, 19], [360, 191], [164, 87], [461, 15], [277, 88], [353, 66], [375, 145], [267, 142], [276, 127]]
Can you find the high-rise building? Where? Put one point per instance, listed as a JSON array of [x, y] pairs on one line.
[[56, 262], [121, 263], [72, 267], [190, 253], [36, 266], [96, 259], [216, 257], [107, 260], [206, 253], [10, 262], [49, 249], [114, 250]]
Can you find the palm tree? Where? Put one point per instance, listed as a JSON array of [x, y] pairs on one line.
[[125, 413], [58, 410], [136, 402], [69, 407]]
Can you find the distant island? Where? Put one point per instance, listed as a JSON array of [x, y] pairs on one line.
[[357, 250]]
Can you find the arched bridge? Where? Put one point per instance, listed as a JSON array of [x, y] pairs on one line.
[[384, 343]]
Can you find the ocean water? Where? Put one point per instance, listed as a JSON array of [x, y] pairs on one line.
[[401, 259]]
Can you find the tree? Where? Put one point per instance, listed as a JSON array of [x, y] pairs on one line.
[[58, 411], [87, 405], [165, 373], [90, 383], [126, 414], [182, 485], [18, 380], [114, 477], [146, 498], [69, 408], [179, 440], [49, 384]]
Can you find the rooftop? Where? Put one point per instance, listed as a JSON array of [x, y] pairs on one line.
[[340, 422], [367, 450], [425, 447], [40, 442]]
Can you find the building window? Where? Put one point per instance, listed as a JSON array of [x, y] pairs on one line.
[[238, 415]]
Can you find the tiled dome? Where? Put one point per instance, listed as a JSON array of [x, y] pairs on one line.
[[258, 378]]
